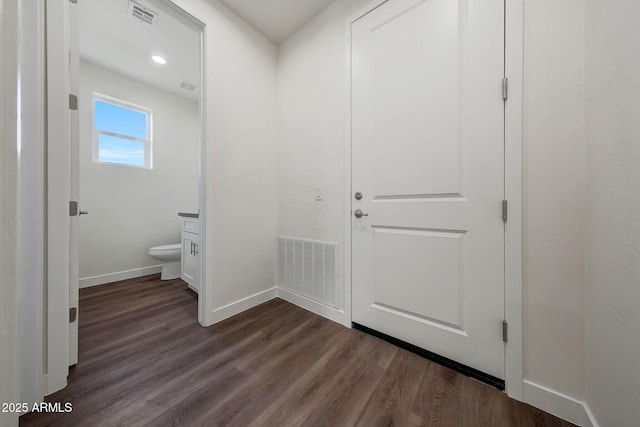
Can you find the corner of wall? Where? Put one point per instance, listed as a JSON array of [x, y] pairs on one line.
[[241, 202], [612, 270], [554, 227], [243, 304], [558, 404]]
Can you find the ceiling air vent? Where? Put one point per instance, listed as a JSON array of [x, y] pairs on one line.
[[142, 13], [188, 86]]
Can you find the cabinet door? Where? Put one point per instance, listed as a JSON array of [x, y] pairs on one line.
[[190, 256]]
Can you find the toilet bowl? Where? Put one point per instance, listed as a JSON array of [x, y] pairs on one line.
[[170, 257]]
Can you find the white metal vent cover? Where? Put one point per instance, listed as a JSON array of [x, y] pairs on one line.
[[191, 87], [308, 268], [142, 13]]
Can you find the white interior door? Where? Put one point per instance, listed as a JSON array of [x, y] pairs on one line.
[[428, 158], [74, 161], [58, 195]]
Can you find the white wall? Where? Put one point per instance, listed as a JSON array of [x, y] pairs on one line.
[[612, 273], [311, 89], [9, 158], [311, 150], [241, 156], [554, 194], [132, 209]]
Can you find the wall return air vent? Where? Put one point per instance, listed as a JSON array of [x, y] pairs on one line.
[[191, 87], [142, 13]]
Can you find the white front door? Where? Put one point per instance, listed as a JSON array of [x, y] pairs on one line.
[[428, 159]]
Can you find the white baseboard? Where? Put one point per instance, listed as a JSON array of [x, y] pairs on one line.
[[558, 404], [313, 306], [589, 420], [239, 306], [243, 304], [86, 282]]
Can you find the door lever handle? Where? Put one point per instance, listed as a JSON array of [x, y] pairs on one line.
[[83, 213], [359, 214]]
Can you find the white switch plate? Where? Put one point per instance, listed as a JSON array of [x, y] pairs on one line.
[[319, 195]]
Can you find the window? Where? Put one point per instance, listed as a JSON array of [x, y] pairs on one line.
[[122, 132]]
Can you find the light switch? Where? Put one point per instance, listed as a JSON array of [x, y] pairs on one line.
[[319, 195]]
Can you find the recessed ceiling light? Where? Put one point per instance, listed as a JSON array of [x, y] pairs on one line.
[[159, 59]]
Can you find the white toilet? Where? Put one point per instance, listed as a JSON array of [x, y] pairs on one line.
[[170, 257]]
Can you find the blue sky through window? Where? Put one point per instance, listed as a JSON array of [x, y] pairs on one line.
[[119, 150], [116, 119], [122, 121]]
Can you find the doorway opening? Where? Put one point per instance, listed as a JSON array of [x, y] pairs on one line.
[[140, 142], [131, 160]]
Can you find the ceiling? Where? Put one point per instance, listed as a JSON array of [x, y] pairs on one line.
[[277, 19], [112, 38]]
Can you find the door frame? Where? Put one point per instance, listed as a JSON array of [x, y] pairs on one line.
[[58, 195], [57, 185], [514, 36], [205, 290]]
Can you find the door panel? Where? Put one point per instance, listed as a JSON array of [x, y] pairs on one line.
[[410, 256], [428, 156], [403, 82], [58, 195], [74, 162]]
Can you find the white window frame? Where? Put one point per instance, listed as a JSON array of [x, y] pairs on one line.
[[148, 143]]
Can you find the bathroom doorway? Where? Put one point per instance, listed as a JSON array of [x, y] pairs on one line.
[[137, 156]]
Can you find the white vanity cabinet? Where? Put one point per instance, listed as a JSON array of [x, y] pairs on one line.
[[190, 261]]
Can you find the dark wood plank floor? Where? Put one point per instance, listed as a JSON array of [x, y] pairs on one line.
[[145, 361]]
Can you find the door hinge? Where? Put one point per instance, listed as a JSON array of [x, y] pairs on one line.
[[73, 208], [505, 331], [73, 314], [73, 102], [505, 88], [504, 210]]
